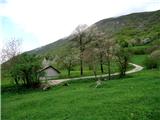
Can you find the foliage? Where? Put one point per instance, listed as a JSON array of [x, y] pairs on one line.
[[122, 57], [153, 60], [139, 50], [25, 70], [68, 59]]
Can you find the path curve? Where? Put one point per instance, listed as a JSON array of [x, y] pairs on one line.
[[136, 68]]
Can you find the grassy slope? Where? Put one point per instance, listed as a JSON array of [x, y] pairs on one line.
[[135, 97]]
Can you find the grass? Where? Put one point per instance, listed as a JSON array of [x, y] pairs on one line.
[[135, 97], [138, 59], [76, 73]]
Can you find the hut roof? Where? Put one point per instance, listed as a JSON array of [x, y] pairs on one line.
[[49, 67]]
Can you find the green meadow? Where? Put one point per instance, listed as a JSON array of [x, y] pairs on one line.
[[135, 97]]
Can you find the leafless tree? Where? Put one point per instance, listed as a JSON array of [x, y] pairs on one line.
[[97, 38], [80, 37], [109, 46], [91, 57], [10, 50], [104, 47]]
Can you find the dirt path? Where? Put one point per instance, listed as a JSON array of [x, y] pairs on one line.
[[135, 69]]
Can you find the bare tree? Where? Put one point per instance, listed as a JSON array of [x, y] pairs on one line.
[[80, 37], [91, 57], [10, 50], [104, 48], [96, 38], [109, 45]]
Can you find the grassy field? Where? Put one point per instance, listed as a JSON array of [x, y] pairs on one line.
[[135, 97], [76, 71], [138, 59]]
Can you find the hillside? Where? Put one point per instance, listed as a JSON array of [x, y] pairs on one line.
[[137, 28]]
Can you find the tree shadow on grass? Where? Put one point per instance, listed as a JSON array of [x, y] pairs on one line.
[[18, 89]]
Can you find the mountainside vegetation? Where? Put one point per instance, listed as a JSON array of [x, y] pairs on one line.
[[135, 29], [102, 43]]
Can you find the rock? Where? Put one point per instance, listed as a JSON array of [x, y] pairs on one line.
[[146, 40], [65, 84], [98, 83], [45, 86]]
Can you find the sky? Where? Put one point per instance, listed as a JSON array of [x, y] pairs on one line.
[[40, 22]]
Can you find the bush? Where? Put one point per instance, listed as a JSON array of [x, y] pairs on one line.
[[150, 63], [153, 60], [139, 50], [25, 70]]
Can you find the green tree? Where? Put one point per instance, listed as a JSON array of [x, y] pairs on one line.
[[25, 70], [68, 59], [153, 60], [122, 56]]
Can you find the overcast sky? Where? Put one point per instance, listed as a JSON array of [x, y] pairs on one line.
[[39, 22]]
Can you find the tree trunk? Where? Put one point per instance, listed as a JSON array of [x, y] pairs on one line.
[[27, 80], [95, 73], [16, 81], [81, 66], [69, 71], [109, 70], [126, 64], [81, 55], [101, 63]]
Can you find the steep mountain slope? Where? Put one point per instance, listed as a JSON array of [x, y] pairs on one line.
[[50, 47], [136, 28], [136, 25]]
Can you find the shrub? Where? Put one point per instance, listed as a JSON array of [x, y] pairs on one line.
[[153, 60], [150, 63], [25, 70], [138, 50]]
